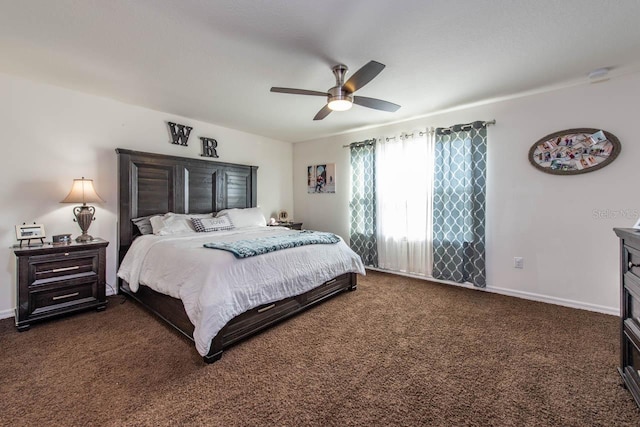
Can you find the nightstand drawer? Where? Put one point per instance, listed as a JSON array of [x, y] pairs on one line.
[[61, 297], [46, 267]]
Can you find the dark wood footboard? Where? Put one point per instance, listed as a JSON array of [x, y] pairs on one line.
[[171, 310], [264, 316]]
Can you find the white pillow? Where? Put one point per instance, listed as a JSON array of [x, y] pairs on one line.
[[248, 217], [171, 223]]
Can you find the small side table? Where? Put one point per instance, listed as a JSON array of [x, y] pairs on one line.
[[291, 225], [56, 279]]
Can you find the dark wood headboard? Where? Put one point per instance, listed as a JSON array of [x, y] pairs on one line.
[[156, 183]]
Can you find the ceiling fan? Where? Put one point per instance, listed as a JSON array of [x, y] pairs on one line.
[[341, 97]]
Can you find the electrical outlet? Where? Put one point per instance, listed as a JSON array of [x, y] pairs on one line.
[[518, 262]]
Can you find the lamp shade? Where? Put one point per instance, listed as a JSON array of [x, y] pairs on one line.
[[83, 192]]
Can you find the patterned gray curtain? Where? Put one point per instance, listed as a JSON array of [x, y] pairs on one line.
[[459, 192], [363, 201]]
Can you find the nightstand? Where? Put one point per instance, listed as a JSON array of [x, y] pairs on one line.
[[57, 279], [291, 225]]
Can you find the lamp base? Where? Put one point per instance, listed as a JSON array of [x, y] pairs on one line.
[[84, 216], [84, 238]]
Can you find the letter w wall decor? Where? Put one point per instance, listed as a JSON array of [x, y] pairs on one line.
[[179, 133]]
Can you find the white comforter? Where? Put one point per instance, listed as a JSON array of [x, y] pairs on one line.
[[215, 287]]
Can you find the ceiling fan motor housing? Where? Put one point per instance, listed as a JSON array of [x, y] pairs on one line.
[[337, 93]]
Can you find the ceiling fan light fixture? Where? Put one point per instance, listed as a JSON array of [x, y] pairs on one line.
[[339, 100], [340, 104]]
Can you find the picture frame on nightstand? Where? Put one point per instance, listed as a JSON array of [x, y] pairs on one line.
[[30, 232], [636, 226]]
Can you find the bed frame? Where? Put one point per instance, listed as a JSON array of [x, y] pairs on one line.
[[154, 184]]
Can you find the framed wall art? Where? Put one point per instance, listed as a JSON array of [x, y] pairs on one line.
[[321, 178], [574, 151]]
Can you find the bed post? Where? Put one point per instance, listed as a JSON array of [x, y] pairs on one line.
[[353, 279], [215, 351]]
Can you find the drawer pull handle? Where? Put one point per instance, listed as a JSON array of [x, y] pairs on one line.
[[66, 296], [58, 270], [269, 307], [331, 281]]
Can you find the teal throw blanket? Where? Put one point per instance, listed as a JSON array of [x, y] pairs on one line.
[[263, 245]]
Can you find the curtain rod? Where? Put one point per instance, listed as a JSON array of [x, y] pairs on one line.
[[406, 135], [486, 123], [361, 143]]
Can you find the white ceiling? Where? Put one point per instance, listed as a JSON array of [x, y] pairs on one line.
[[215, 60]]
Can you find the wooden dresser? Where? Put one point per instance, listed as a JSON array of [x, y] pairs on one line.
[[630, 309], [59, 279]]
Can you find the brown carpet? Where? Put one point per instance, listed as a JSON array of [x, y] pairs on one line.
[[397, 351]]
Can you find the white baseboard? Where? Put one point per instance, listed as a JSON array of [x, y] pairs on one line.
[[111, 290], [557, 301], [518, 294], [5, 314]]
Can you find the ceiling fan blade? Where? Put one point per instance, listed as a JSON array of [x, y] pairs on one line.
[[323, 113], [298, 91], [363, 76], [377, 104]]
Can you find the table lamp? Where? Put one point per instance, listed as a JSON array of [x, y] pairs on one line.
[[82, 191]]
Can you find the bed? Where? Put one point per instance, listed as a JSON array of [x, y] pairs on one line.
[[151, 184]]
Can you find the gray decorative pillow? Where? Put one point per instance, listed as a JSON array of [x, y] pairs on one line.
[[144, 224], [212, 224]]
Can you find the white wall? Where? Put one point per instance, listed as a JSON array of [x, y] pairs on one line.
[[561, 225], [52, 135]]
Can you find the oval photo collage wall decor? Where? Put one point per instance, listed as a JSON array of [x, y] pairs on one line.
[[574, 151]]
